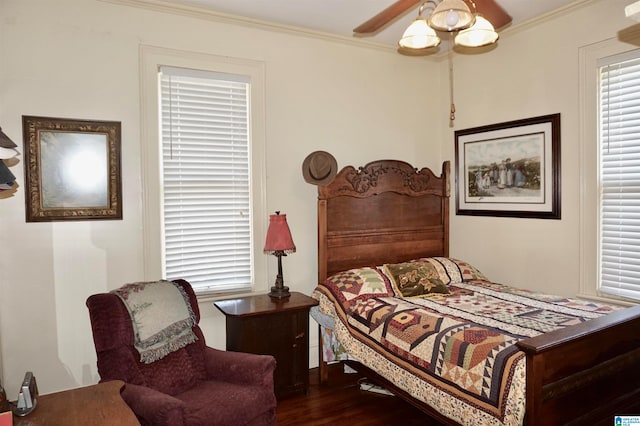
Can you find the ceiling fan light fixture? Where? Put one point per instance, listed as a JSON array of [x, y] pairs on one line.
[[419, 35], [480, 34], [451, 15]]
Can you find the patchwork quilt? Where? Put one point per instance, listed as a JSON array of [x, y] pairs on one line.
[[449, 340]]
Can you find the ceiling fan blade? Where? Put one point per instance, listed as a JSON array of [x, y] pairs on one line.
[[386, 16], [493, 12]]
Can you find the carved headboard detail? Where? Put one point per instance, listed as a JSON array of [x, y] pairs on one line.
[[384, 212]]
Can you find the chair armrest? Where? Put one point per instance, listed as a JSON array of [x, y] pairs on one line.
[[153, 407], [240, 367]]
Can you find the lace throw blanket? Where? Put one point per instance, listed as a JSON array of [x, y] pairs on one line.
[[161, 316]]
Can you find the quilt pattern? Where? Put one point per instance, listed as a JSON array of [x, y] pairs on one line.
[[450, 347]]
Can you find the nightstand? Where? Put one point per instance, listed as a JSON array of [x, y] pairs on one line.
[[269, 326]]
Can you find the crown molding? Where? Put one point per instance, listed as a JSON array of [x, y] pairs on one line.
[[197, 12], [227, 18], [518, 28], [553, 14]]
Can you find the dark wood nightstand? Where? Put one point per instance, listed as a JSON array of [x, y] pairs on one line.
[[269, 326]]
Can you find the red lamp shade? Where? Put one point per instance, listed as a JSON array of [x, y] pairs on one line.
[[278, 235]]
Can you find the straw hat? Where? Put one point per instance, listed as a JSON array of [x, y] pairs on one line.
[[319, 168]]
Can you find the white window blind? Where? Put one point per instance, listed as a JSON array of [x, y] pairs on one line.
[[619, 121], [206, 179]]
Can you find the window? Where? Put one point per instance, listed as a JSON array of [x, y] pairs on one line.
[[619, 144], [203, 160], [205, 171]]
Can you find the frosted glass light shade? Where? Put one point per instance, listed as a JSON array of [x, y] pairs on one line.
[[419, 35], [451, 15], [480, 34]]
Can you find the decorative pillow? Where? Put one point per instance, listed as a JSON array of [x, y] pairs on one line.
[[358, 283], [453, 271], [468, 271], [415, 278]]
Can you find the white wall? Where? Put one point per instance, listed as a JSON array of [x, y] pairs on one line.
[[534, 71], [79, 59]]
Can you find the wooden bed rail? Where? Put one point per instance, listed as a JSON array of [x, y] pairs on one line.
[[586, 373]]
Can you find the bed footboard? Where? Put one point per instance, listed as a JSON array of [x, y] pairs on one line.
[[584, 374]]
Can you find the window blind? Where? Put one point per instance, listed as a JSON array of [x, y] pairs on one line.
[[619, 121], [206, 183]]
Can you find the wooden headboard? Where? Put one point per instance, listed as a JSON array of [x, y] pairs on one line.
[[384, 212]]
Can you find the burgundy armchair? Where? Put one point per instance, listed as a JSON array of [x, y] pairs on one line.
[[194, 385]]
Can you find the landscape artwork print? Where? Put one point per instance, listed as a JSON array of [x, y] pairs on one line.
[[509, 169], [505, 170]]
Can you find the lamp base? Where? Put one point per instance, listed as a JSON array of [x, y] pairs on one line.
[[280, 292]]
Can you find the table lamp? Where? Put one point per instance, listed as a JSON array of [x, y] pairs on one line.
[[279, 243]]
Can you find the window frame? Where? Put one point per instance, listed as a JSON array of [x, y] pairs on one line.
[[589, 168], [151, 58]]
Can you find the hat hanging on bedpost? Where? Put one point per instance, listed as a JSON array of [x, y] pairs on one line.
[[319, 168]]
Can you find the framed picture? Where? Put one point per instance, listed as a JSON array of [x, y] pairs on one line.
[[72, 169], [509, 169]]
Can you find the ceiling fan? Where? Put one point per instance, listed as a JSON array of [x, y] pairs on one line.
[[491, 10], [452, 16], [474, 23]]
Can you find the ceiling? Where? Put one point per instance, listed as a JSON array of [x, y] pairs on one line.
[[341, 16]]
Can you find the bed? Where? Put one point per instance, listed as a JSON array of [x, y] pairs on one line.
[[376, 221]]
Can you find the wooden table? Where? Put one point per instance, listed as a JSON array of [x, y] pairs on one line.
[[270, 326], [94, 405]]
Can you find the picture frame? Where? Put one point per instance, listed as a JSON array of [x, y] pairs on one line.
[[72, 169], [509, 169]]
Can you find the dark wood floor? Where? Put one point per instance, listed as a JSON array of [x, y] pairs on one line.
[[342, 402]]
